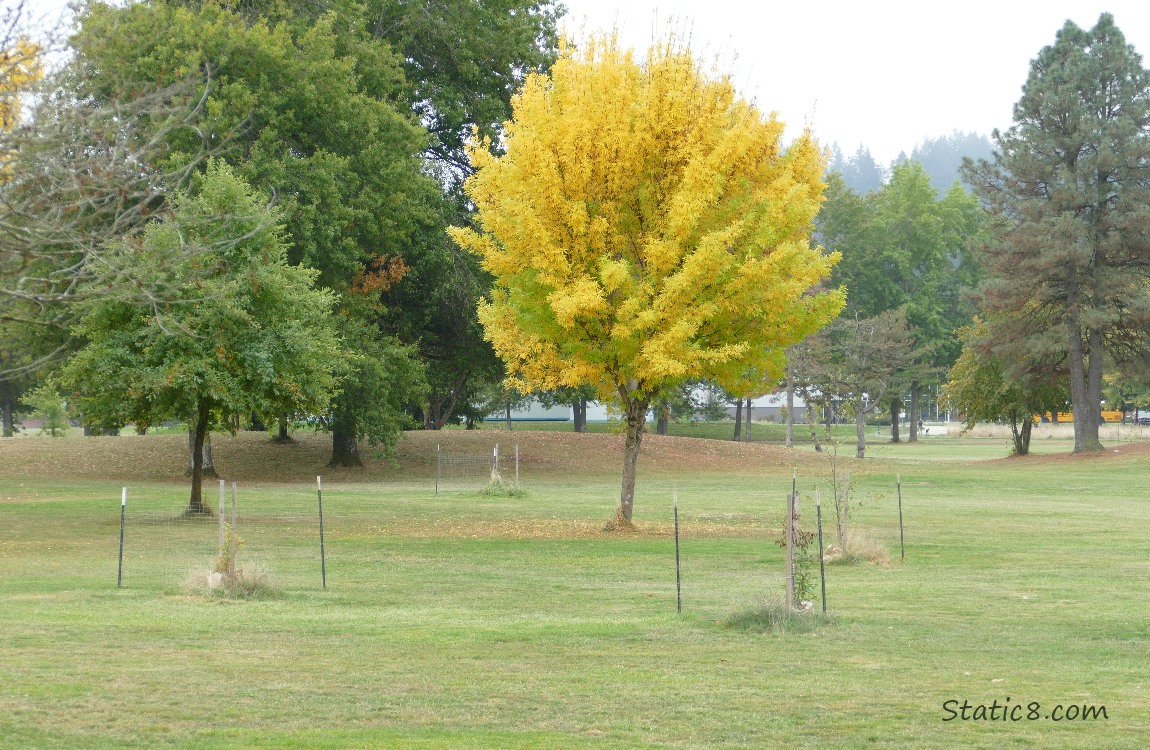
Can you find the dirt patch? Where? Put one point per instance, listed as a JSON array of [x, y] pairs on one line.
[[1112, 452], [254, 457]]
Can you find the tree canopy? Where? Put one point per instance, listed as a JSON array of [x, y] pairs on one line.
[[644, 226], [316, 108], [241, 331], [902, 249], [1068, 263], [979, 388]]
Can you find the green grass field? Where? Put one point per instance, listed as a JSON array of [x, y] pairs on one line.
[[467, 621]]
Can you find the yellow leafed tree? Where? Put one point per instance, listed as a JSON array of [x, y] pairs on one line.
[[645, 225], [19, 69]]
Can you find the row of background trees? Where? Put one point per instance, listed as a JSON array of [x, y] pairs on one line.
[[348, 119], [339, 133], [1051, 249]]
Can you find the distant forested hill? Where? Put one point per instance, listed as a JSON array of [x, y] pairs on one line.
[[861, 173], [941, 158]]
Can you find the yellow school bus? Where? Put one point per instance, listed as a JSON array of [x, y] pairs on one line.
[[1108, 415]]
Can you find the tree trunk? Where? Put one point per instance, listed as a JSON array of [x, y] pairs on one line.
[[860, 429], [438, 413], [282, 435], [636, 410], [662, 424], [344, 449], [1094, 389], [1081, 381], [790, 411], [738, 419], [895, 403], [208, 467], [813, 424], [507, 404], [747, 423], [344, 436], [912, 428], [581, 414], [7, 407], [199, 434], [1020, 429]]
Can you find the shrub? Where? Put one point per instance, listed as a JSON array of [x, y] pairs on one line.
[[47, 404]]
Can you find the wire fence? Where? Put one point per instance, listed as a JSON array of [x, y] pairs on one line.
[[153, 540], [460, 471], [370, 530], [271, 531]]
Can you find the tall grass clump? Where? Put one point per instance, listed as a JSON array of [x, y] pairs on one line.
[[500, 487], [774, 617]]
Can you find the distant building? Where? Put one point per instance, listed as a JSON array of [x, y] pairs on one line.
[[534, 412], [767, 408], [770, 408]]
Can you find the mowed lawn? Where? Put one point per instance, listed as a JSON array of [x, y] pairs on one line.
[[460, 620]]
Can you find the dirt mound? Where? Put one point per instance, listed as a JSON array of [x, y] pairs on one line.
[[252, 456]]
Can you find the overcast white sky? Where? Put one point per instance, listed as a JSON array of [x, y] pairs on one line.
[[884, 73]]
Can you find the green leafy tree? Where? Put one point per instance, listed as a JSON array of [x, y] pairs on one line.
[[330, 106], [924, 249], [245, 332], [463, 60], [24, 347], [434, 309], [861, 361], [1069, 193], [902, 247], [313, 109], [388, 375], [48, 405], [980, 389]]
